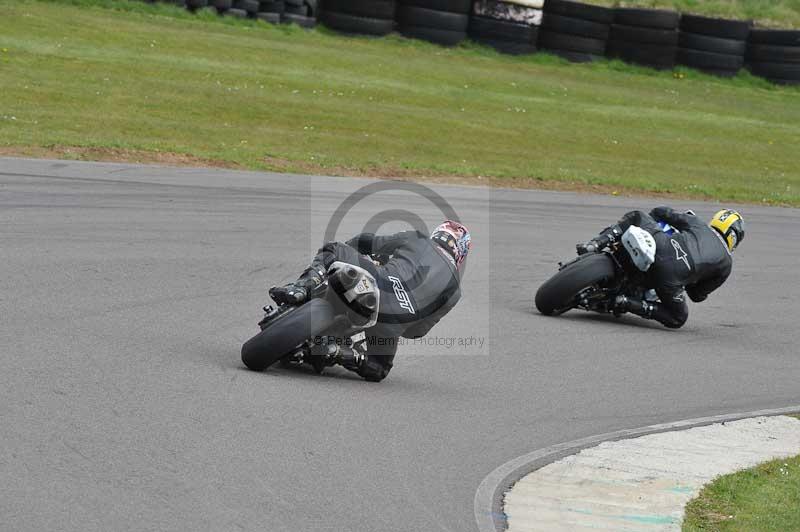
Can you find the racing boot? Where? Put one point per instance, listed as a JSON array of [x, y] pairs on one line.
[[371, 370], [622, 304], [350, 358], [297, 293]]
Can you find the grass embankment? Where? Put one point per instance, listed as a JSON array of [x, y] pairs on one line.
[[765, 498], [153, 79], [765, 13]]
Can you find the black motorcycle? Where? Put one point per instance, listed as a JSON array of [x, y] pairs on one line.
[[593, 280], [327, 329]]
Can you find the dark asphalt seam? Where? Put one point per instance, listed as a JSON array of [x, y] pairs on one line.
[[253, 191]]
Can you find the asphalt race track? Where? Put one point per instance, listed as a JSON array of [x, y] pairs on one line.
[[127, 291]]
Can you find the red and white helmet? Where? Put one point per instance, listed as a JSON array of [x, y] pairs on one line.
[[454, 237]]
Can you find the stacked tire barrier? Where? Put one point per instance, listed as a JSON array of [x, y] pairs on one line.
[[369, 17], [225, 7], [578, 32], [244, 8], [271, 10], [646, 37], [300, 12], [194, 5], [715, 46], [439, 21], [775, 55], [510, 26]]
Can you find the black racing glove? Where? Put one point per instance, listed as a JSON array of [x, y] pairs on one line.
[[608, 236]]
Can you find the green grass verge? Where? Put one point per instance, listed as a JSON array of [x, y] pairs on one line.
[[767, 13], [765, 498], [158, 79]]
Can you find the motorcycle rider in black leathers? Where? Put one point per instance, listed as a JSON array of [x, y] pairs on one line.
[[419, 283], [697, 259]]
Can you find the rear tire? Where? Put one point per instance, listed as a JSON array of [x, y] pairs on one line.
[[287, 333], [557, 295]]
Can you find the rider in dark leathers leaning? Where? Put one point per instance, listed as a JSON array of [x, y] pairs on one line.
[[697, 259], [419, 284]]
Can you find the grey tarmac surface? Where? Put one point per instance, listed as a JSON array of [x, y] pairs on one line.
[[127, 291]]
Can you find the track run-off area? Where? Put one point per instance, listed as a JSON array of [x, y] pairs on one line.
[[126, 292]]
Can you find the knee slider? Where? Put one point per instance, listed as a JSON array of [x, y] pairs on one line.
[[679, 318]]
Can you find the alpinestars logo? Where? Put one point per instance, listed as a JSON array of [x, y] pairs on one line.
[[401, 294], [680, 254]]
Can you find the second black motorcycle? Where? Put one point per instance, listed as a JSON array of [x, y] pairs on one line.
[[594, 280]]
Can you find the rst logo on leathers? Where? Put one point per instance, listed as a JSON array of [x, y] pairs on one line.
[[401, 294]]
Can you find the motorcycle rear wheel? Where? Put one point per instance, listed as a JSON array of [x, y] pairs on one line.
[[559, 293], [287, 333]]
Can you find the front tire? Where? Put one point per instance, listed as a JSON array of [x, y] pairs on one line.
[[559, 293], [287, 333]]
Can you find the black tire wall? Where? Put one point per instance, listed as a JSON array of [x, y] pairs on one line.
[[438, 21], [715, 46], [368, 17], [647, 37], [508, 28], [575, 31], [775, 55]]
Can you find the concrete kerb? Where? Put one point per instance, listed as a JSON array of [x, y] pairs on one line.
[[488, 504]]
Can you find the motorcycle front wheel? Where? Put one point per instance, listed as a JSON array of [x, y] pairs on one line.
[[559, 294], [287, 333]]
